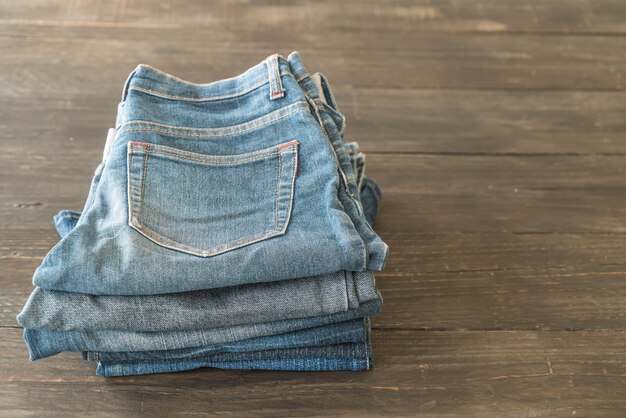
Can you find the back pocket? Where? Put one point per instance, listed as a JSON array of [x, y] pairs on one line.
[[209, 204]]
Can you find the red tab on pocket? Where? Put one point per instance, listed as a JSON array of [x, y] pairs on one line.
[[287, 144], [139, 144]]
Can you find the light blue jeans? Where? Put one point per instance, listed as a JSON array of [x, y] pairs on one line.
[[42, 343], [235, 305], [247, 178]]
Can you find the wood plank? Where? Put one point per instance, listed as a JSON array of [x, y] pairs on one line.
[[386, 120], [503, 281], [504, 291], [489, 374], [554, 17], [431, 193], [39, 59], [503, 122]]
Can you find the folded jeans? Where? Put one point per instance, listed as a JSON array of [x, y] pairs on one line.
[[162, 206], [146, 304]]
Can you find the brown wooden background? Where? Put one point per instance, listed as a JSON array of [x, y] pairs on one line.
[[496, 129]]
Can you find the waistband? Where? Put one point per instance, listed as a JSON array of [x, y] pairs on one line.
[[270, 71]]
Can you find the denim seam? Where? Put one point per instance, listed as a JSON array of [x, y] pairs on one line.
[[277, 191], [345, 180], [332, 147], [338, 166], [207, 98], [303, 76], [195, 156], [292, 188], [311, 102], [143, 182], [197, 99], [129, 164], [259, 157], [326, 107], [176, 131], [262, 79], [347, 293], [351, 197], [318, 108], [222, 248], [300, 103]]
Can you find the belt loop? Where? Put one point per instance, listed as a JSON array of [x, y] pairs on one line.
[[273, 72]]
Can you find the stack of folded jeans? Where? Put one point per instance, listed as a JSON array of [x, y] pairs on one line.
[[228, 226]]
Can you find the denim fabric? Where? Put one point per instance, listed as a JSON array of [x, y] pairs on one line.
[[236, 305], [229, 306], [300, 364], [226, 227], [349, 357], [222, 177], [42, 343], [65, 221], [308, 350], [370, 195], [352, 331]]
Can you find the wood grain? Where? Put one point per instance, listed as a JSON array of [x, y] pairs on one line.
[[432, 374], [490, 16], [359, 58], [495, 128], [383, 120]]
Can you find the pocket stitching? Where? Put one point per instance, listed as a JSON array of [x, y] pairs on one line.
[[232, 245], [220, 249], [277, 189], [292, 188], [211, 162], [163, 150], [143, 182]]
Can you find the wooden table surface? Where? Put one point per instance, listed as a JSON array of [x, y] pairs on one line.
[[496, 129]]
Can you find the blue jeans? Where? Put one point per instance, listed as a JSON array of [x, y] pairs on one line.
[[190, 311], [336, 339], [116, 363], [176, 163], [346, 337], [248, 178], [349, 357]]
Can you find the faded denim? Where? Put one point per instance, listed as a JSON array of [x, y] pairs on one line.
[[42, 343], [228, 306], [236, 305], [339, 346], [348, 357], [352, 331], [239, 177], [217, 178]]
